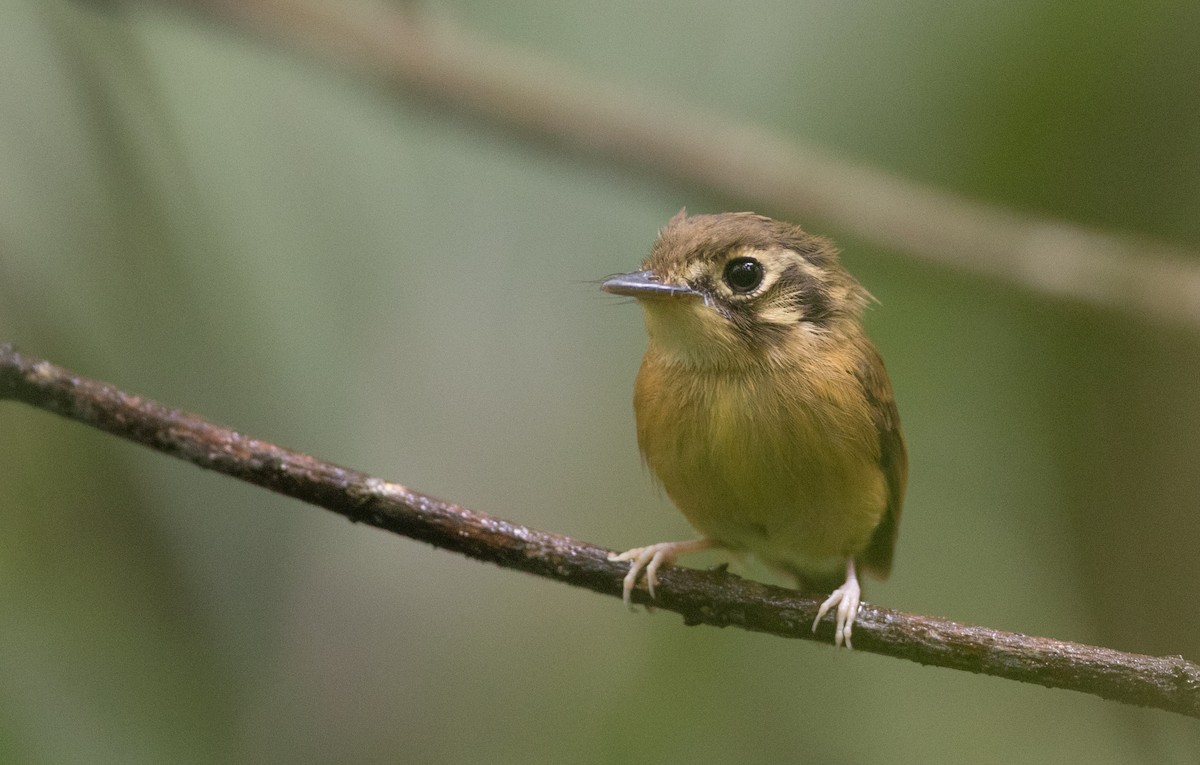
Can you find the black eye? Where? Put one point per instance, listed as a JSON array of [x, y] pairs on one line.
[[743, 274]]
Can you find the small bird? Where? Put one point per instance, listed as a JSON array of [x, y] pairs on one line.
[[763, 409]]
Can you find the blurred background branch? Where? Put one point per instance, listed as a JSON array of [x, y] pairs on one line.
[[718, 599], [739, 162]]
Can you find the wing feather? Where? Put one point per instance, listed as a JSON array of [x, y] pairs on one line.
[[893, 461]]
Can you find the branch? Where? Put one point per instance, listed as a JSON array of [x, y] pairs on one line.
[[714, 598], [740, 162]]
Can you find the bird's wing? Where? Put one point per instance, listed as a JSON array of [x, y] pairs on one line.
[[893, 461]]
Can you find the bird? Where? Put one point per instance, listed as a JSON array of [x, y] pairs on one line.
[[762, 408]]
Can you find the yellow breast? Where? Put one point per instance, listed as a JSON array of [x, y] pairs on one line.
[[764, 460]]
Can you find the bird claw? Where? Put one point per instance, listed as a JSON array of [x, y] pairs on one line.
[[846, 598], [649, 559]]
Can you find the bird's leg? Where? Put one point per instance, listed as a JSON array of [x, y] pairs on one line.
[[650, 557], [846, 599]]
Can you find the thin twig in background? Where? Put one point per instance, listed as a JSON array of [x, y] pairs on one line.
[[739, 162], [712, 598]]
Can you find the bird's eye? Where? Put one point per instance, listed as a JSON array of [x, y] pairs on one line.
[[743, 274]]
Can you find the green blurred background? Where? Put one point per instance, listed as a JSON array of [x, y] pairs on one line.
[[210, 220]]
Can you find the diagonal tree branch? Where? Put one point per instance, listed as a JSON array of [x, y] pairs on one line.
[[712, 598], [740, 162]]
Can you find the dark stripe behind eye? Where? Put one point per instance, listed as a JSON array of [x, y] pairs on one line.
[[810, 297]]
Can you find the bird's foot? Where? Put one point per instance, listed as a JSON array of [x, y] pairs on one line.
[[650, 558], [846, 598]]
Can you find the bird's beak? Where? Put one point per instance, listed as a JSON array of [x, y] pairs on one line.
[[644, 284]]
